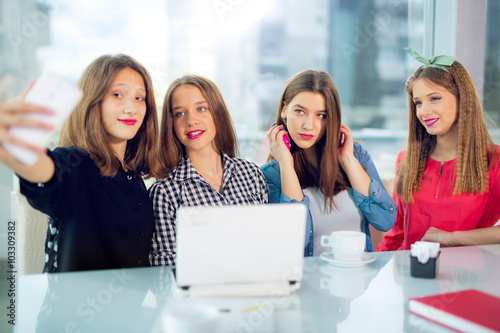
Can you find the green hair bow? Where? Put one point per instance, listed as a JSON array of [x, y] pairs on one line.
[[437, 61]]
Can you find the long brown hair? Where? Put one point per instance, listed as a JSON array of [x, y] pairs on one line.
[[329, 176], [476, 151], [170, 149], [85, 130]]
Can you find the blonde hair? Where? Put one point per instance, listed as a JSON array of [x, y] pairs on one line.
[[170, 149], [85, 130], [476, 150]]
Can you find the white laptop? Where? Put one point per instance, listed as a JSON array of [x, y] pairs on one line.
[[240, 250]]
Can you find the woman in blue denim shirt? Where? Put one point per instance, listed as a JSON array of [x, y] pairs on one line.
[[324, 169]]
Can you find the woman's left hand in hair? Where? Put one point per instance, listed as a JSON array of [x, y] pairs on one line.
[[439, 236], [345, 146], [360, 181]]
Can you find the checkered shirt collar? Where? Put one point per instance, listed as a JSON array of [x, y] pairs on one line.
[[185, 169]]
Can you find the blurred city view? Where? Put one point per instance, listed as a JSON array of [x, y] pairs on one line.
[[359, 43], [249, 49]]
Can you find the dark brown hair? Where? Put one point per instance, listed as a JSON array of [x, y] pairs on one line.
[[85, 129], [170, 149], [328, 176]]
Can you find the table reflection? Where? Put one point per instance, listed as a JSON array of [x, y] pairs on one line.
[[76, 302], [331, 299]]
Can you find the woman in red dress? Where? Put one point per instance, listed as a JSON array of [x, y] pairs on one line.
[[447, 187]]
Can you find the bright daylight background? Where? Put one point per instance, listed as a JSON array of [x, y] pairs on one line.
[[250, 48]]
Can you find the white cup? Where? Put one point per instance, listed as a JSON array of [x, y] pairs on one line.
[[346, 245]]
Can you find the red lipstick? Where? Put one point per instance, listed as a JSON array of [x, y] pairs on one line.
[[129, 122], [194, 134], [430, 122], [306, 136]]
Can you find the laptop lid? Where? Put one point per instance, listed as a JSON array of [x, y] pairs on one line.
[[240, 244]]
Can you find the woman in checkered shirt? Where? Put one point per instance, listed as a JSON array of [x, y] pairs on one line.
[[198, 149]]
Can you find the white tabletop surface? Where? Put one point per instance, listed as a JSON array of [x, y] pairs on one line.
[[372, 298]]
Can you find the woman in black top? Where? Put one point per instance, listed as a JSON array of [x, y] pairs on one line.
[[91, 187]]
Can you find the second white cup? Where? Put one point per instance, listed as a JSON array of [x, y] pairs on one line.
[[346, 245]]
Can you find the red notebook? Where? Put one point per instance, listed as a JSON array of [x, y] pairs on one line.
[[464, 311]]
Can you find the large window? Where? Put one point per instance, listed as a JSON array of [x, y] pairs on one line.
[[250, 49], [491, 91]]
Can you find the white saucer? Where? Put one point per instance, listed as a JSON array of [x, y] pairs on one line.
[[365, 259]]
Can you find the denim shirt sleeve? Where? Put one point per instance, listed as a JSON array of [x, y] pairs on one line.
[[272, 175], [378, 208]]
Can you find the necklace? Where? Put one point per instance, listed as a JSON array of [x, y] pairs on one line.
[[215, 182], [215, 179]]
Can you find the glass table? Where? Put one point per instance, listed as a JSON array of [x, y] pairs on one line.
[[372, 298]]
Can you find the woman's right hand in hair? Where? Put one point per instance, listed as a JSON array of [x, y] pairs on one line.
[[14, 112], [290, 185], [277, 147]]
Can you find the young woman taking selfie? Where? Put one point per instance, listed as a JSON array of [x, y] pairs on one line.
[[91, 187]]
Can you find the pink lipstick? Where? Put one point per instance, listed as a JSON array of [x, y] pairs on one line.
[[306, 136], [129, 122], [195, 134], [430, 122]]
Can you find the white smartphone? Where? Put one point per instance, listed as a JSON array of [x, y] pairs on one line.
[[53, 92]]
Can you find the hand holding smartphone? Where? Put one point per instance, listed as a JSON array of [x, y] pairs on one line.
[[341, 140], [286, 139], [53, 92]]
